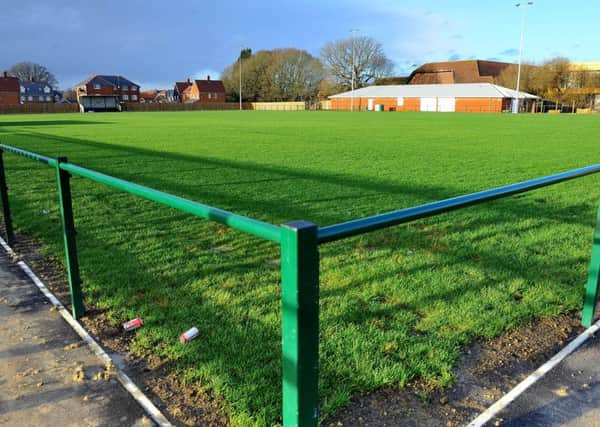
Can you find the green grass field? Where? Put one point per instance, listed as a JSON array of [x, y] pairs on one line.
[[396, 305]]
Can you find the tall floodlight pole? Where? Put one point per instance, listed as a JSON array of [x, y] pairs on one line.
[[524, 6], [352, 31], [241, 51]]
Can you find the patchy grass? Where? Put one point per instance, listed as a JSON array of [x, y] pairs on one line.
[[396, 305]]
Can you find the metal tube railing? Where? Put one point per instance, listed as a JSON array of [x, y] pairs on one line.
[[299, 262], [360, 226], [238, 222], [34, 156]]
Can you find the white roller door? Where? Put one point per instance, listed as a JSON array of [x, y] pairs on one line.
[[428, 104], [446, 105]]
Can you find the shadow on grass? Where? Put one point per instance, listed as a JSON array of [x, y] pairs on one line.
[[283, 208], [43, 123]]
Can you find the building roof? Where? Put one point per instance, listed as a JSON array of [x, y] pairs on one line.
[[181, 86], [108, 80], [471, 71], [460, 90], [9, 84], [37, 88], [210, 86]]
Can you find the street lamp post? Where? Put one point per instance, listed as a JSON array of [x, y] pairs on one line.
[[352, 31], [524, 6]]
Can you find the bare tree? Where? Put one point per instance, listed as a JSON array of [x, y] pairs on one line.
[[31, 72], [370, 62]]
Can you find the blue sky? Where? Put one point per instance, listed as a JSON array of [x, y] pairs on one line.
[[155, 42]]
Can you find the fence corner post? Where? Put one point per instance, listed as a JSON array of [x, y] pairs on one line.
[[68, 225], [8, 226], [300, 323], [593, 282]]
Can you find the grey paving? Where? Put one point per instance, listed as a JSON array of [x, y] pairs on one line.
[[47, 376], [569, 395]]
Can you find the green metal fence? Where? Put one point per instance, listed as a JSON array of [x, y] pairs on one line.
[[299, 242]]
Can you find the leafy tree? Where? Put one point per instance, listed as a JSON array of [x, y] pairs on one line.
[[370, 61], [277, 75], [31, 72]]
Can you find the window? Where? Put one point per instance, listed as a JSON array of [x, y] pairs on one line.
[[97, 86], [400, 101], [41, 99], [125, 97], [134, 97], [48, 99], [30, 98], [22, 89], [125, 87], [22, 99], [134, 88], [46, 89], [209, 95]]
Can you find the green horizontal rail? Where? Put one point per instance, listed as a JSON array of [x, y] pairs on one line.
[[34, 156], [364, 225], [235, 221]]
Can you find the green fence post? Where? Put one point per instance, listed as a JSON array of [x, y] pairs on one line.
[[593, 283], [300, 323], [10, 234], [66, 212]]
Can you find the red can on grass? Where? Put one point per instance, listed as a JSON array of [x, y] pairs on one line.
[[133, 324]]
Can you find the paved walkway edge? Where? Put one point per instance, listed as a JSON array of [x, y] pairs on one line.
[[497, 407], [125, 381]]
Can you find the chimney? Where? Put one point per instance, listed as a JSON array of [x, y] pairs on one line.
[[208, 77], [5, 74]]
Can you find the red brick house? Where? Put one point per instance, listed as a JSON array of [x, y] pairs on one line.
[[179, 89], [115, 86], [205, 91], [9, 90]]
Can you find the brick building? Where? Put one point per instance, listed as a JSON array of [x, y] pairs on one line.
[[9, 90], [204, 91], [106, 93], [466, 97]]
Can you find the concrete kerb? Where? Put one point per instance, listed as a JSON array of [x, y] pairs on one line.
[[508, 398]]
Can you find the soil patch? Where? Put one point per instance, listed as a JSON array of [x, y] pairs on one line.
[[486, 371]]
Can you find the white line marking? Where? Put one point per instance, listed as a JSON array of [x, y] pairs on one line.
[[125, 381], [495, 409]]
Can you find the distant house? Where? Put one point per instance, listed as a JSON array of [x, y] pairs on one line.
[[157, 96], [450, 72], [179, 89], [9, 90], [36, 93], [205, 91], [106, 92]]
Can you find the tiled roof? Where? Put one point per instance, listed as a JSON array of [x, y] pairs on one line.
[[37, 88], [181, 86], [471, 71], [212, 86], [109, 80], [9, 84]]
